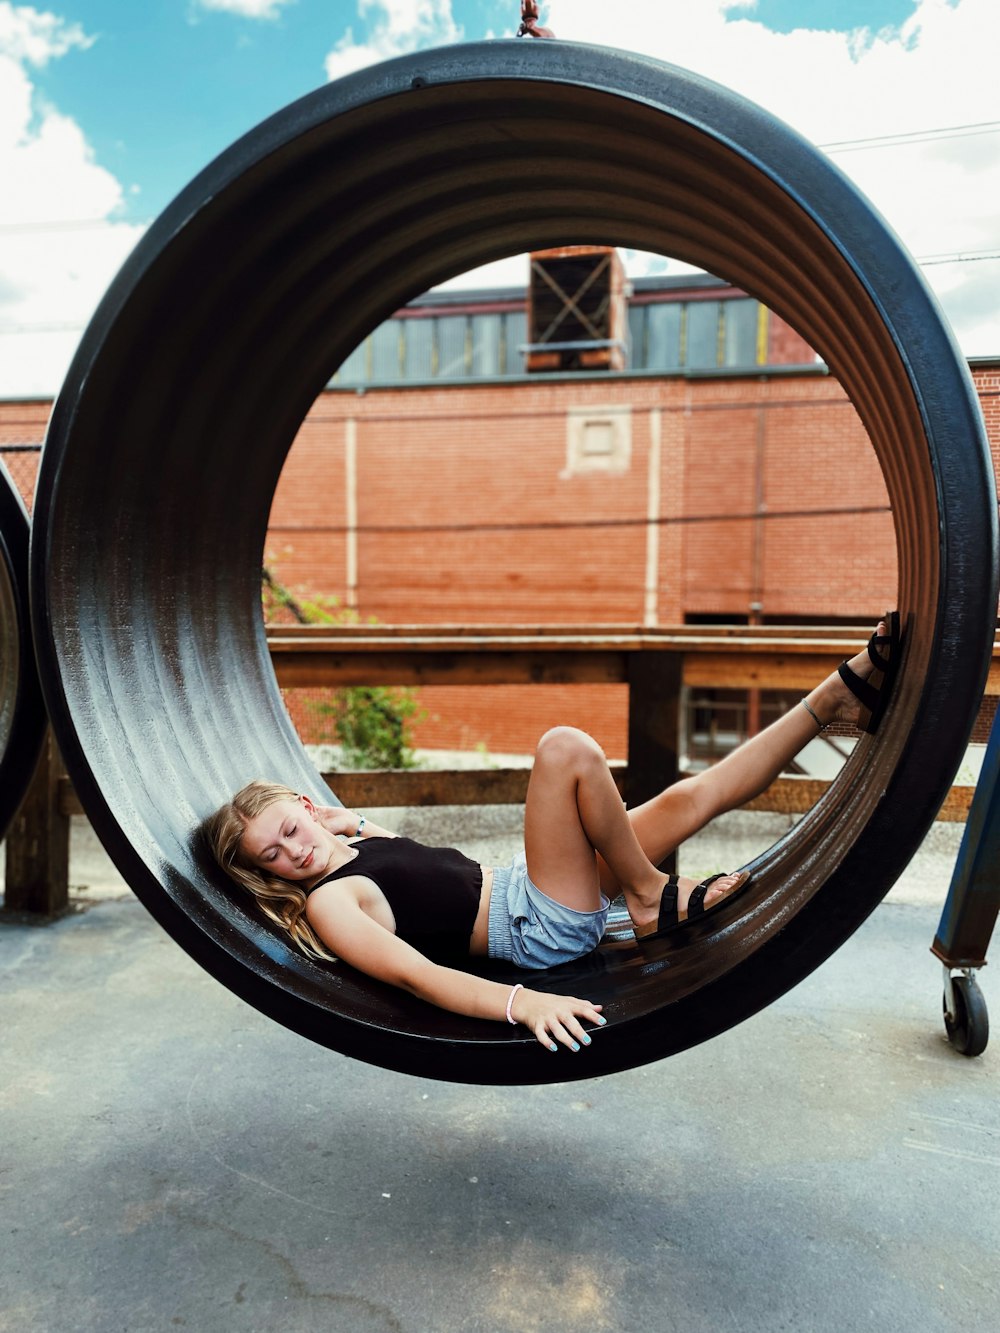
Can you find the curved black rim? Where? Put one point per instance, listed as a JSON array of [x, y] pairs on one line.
[[22, 711], [225, 324]]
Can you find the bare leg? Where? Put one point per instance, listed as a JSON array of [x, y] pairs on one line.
[[573, 809], [670, 818]]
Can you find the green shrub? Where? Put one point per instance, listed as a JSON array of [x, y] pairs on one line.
[[370, 722]]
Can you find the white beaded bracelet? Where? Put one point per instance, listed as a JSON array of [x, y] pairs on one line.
[[510, 1001], [361, 825]]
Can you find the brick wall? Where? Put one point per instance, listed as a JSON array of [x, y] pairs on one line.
[[987, 382], [455, 505], [466, 514], [785, 347], [23, 423]]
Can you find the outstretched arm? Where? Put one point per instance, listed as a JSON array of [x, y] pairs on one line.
[[336, 913]]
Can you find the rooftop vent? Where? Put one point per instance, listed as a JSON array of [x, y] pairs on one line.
[[576, 310]]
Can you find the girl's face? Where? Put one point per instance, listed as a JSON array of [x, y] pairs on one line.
[[288, 840]]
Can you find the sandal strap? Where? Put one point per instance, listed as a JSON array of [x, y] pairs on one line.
[[669, 916], [863, 690], [879, 662], [696, 903]]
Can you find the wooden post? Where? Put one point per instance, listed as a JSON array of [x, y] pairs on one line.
[[654, 716], [37, 869]]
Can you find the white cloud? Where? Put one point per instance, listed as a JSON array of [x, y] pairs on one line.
[[60, 243], [248, 9], [938, 70], [942, 195], [395, 27], [35, 38]]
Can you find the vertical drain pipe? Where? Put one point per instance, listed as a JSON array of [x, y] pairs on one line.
[[351, 516], [757, 577], [650, 615]]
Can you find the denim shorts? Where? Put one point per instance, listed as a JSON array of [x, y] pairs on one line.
[[530, 929]]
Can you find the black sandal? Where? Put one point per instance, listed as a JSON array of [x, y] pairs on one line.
[[669, 916], [873, 693]]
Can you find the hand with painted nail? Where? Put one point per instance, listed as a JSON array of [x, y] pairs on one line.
[[556, 1019]]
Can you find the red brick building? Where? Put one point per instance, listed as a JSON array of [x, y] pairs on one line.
[[724, 477]]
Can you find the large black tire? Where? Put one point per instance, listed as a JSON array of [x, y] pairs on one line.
[[22, 712], [168, 437]]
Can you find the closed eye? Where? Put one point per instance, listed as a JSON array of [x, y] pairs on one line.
[[272, 852]]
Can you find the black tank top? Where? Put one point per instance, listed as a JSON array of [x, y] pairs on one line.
[[434, 892]]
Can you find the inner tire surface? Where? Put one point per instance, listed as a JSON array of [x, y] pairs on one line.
[[188, 388]]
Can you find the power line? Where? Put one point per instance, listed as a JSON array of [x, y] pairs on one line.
[[838, 146], [16, 330], [925, 261], [575, 525], [546, 525], [913, 137], [962, 257], [67, 224]]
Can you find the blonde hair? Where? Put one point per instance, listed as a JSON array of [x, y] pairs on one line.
[[281, 901]]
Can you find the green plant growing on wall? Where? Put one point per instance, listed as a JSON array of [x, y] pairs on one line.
[[370, 722]]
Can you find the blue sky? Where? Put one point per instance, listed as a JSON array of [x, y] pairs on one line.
[[837, 15], [165, 85], [109, 107]]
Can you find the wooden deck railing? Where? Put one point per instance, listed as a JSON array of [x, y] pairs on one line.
[[653, 663]]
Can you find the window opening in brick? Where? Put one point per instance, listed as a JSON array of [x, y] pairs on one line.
[[598, 440]]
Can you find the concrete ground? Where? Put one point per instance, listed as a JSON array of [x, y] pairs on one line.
[[170, 1159]]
